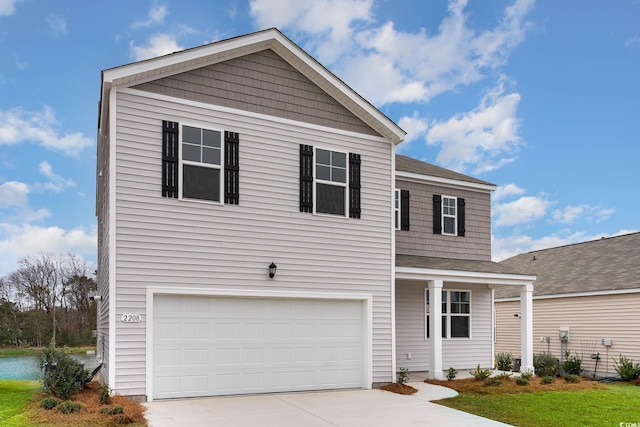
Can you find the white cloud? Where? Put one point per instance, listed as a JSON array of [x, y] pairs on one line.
[[21, 240], [633, 41], [505, 191], [13, 193], [158, 45], [415, 127], [17, 125], [8, 7], [56, 182], [602, 214], [57, 24], [523, 210], [485, 137], [156, 16], [569, 214]]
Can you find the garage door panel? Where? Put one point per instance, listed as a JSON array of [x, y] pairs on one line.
[[251, 345]]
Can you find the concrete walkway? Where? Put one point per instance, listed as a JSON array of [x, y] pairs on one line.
[[345, 408]]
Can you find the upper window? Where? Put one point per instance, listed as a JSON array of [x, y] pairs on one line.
[[330, 182], [449, 216], [200, 155], [397, 209], [456, 314]]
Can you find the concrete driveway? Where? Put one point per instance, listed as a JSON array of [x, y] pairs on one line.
[[348, 408]]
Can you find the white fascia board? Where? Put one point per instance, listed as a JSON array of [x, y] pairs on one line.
[[412, 273], [409, 176], [578, 294]]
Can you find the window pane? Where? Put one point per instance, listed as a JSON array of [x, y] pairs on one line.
[[191, 134], [444, 301], [211, 138], [191, 152], [449, 225], [330, 199], [339, 175], [428, 327], [397, 198], [338, 159], [323, 173], [323, 157], [444, 326], [211, 155], [460, 327], [200, 183]]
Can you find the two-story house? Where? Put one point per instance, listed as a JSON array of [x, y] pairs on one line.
[[247, 210]]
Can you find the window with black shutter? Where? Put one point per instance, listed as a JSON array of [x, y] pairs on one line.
[[169, 159], [306, 178], [448, 215], [461, 229], [437, 214], [404, 210], [231, 168], [354, 185]]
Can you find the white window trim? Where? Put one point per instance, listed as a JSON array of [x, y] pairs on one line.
[[337, 184], [199, 164], [397, 210], [448, 314], [455, 217]]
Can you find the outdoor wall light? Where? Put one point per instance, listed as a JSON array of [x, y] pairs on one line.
[[272, 270]]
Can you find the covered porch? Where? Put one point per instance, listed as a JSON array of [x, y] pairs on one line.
[[445, 317]]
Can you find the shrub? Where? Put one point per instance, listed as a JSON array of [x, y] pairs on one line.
[[626, 369], [522, 381], [63, 376], [480, 374], [504, 361], [69, 407], [49, 402], [504, 376], [572, 364], [527, 375], [451, 375], [545, 364], [492, 382], [572, 378], [112, 410], [403, 376], [548, 380], [105, 395]]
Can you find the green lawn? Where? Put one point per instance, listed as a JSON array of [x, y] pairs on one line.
[[620, 403], [15, 395], [37, 351]]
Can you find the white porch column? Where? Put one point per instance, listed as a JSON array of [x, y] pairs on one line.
[[526, 327], [435, 330]]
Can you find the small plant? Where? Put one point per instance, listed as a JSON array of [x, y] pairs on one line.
[[451, 374], [49, 402], [480, 374], [69, 407], [527, 375], [63, 376], [572, 378], [548, 380], [105, 395], [545, 364], [626, 369], [522, 381], [112, 410], [572, 364], [403, 376], [504, 361], [504, 376], [492, 382]]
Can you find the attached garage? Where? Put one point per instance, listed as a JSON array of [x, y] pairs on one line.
[[227, 345]]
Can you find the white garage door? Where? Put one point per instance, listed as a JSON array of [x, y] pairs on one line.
[[207, 346]]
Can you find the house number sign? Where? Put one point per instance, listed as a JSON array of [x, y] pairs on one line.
[[131, 318]]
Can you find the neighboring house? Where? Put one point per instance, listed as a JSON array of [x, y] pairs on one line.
[[591, 290], [246, 238]]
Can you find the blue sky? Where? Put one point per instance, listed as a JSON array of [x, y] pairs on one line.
[[540, 98]]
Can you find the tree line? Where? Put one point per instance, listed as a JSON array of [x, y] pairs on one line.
[[47, 300]]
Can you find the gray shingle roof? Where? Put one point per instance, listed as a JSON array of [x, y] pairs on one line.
[[453, 264], [408, 164], [600, 265]]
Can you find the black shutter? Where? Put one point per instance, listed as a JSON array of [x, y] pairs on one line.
[[169, 159], [461, 229], [306, 178], [404, 209], [354, 185], [231, 168], [437, 214]]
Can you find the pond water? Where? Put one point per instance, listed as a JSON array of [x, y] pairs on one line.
[[26, 367]]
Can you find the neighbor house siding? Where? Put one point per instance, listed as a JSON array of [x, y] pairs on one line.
[[589, 318], [262, 83], [460, 353], [420, 239], [175, 243]]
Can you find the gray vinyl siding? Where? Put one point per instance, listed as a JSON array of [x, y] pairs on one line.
[[262, 83], [456, 352], [589, 318], [181, 243], [102, 213]]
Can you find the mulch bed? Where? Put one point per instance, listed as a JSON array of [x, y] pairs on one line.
[[399, 388], [471, 385]]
